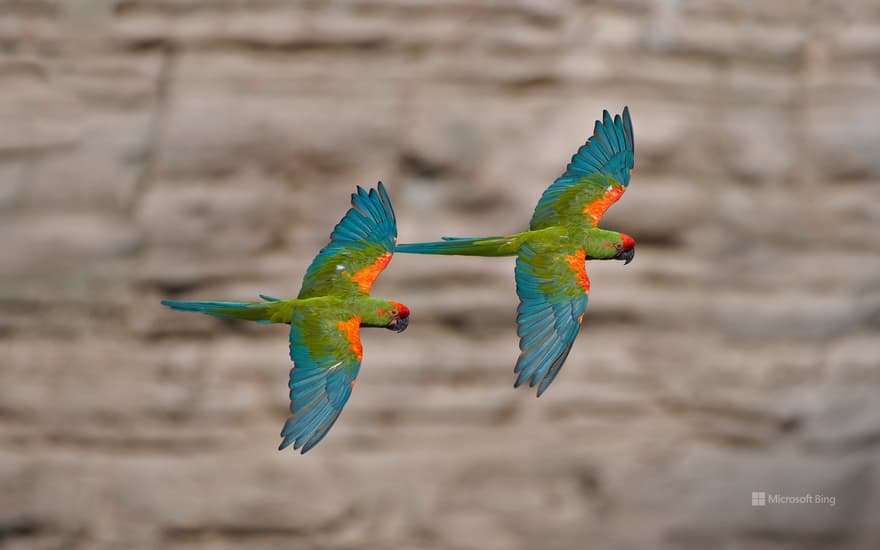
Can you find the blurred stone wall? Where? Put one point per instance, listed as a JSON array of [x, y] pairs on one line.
[[205, 149]]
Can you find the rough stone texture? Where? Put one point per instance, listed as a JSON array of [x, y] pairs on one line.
[[195, 149]]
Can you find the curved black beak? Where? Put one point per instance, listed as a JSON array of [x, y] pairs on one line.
[[627, 255], [398, 325]]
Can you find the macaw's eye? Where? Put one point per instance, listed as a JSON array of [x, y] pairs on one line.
[[394, 313], [618, 246]]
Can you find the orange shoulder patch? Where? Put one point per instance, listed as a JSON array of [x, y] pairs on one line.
[[576, 263], [352, 331], [366, 276], [596, 209]]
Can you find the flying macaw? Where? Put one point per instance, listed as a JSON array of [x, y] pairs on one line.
[[325, 318], [551, 276]]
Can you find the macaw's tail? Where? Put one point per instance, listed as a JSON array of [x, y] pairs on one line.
[[465, 246], [270, 311]]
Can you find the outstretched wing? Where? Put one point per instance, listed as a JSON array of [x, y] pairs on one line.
[[361, 245], [552, 286], [326, 353], [596, 177]]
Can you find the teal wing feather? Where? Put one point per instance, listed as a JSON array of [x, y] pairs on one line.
[[552, 286], [360, 247], [594, 179], [326, 353]]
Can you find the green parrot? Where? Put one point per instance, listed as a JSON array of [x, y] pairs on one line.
[[325, 318], [551, 276]]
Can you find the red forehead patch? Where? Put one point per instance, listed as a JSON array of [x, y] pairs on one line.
[[402, 309]]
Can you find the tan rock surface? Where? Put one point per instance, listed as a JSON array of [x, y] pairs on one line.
[[204, 150]]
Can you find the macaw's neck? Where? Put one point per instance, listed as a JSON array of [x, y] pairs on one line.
[[374, 312], [602, 244]]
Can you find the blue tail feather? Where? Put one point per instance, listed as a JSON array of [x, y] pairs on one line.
[[247, 311], [464, 246]]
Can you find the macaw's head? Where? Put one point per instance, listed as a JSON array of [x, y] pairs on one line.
[[626, 248], [610, 245], [395, 315]]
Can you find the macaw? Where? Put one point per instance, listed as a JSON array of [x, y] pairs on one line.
[[551, 275], [325, 318]]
